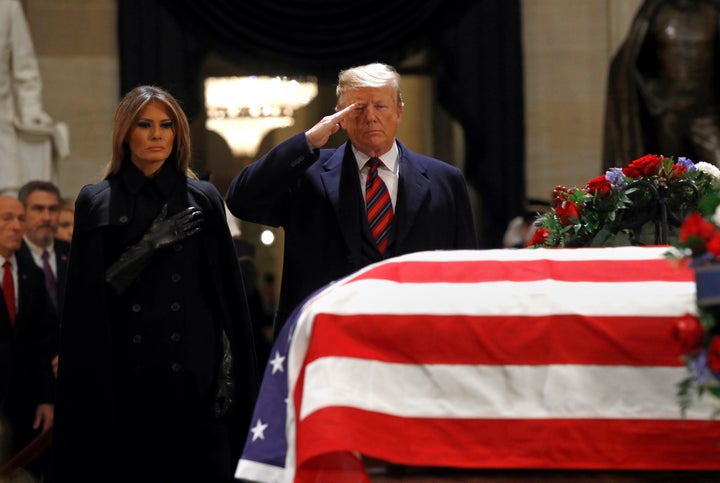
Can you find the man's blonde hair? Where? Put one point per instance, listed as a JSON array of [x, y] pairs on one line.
[[370, 75]]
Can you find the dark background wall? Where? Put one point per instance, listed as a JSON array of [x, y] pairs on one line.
[[472, 49]]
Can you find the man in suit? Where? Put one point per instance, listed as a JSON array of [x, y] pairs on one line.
[[319, 196], [41, 200], [26, 333]]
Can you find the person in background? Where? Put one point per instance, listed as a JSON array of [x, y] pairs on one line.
[[366, 201], [27, 331], [157, 376], [66, 220], [521, 229], [41, 200]]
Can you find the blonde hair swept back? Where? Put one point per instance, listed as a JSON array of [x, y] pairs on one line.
[[370, 75]]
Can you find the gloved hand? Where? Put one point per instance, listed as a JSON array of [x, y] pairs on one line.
[[225, 394], [162, 232], [181, 225]]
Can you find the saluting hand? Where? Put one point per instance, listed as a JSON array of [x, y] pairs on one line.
[[320, 133]]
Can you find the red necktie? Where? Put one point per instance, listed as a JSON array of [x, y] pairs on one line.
[[379, 206], [8, 287]]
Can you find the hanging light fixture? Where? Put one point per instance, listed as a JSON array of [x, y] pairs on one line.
[[244, 109]]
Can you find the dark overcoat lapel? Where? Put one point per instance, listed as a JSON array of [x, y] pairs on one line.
[[340, 181], [413, 188]]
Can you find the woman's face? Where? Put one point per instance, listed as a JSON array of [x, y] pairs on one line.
[[151, 138]]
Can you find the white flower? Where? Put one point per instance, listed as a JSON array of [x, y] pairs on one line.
[[716, 216], [709, 169]]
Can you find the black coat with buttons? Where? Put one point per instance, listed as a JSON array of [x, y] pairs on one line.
[[152, 352]]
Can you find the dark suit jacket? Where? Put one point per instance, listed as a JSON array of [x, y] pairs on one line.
[[26, 378], [62, 256], [316, 197], [86, 416]]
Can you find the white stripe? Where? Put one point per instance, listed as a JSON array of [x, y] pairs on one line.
[[249, 470], [573, 254], [496, 391], [546, 297]]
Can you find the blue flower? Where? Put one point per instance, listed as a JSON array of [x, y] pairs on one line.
[[687, 162], [616, 178], [699, 368]]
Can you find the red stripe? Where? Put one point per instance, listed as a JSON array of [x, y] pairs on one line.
[[382, 224], [381, 202], [491, 443], [374, 188], [473, 271], [456, 339], [382, 246]]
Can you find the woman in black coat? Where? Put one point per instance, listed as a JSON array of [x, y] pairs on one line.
[[157, 372]]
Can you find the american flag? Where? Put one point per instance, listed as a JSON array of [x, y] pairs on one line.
[[484, 359]]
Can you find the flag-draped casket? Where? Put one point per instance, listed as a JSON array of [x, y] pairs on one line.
[[484, 359]]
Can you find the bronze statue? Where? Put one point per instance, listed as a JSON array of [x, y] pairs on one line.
[[663, 87]]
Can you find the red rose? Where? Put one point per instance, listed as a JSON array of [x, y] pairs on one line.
[[713, 246], [677, 171], [648, 165], [539, 237], [599, 185], [689, 333], [713, 356], [696, 226], [568, 212]]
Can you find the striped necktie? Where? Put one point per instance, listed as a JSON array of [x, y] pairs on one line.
[[379, 206]]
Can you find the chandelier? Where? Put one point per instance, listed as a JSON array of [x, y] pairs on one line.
[[244, 109]]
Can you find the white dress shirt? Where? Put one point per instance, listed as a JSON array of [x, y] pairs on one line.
[[37, 252], [388, 171]]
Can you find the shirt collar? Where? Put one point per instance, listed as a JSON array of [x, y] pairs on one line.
[[13, 262], [389, 159], [36, 249]]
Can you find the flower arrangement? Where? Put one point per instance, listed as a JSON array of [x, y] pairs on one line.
[[699, 338], [643, 203], [655, 199]]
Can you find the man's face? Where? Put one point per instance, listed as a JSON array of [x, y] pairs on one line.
[[371, 127], [12, 225], [42, 217]]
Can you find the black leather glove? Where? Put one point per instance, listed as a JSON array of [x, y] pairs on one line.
[[225, 394], [162, 232]]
